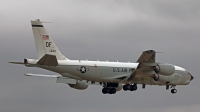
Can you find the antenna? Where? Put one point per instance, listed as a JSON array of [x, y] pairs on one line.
[[46, 22], [160, 52], [42, 21]]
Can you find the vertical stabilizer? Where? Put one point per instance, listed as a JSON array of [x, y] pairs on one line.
[[43, 41]]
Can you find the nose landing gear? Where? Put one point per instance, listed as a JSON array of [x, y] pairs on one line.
[[173, 90]]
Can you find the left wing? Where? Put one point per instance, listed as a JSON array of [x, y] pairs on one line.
[[64, 80], [60, 79]]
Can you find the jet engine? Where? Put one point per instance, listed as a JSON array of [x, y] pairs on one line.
[[79, 85], [172, 79], [164, 69], [30, 61], [162, 78]]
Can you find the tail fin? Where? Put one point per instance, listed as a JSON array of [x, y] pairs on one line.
[[44, 43]]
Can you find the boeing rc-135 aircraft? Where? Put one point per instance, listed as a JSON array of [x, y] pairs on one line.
[[113, 76]]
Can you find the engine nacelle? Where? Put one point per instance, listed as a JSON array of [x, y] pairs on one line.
[[172, 79], [79, 85], [30, 61], [162, 78], [164, 69]]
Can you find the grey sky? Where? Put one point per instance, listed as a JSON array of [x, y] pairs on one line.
[[105, 30]]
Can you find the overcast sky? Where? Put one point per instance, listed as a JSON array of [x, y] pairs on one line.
[[99, 30]]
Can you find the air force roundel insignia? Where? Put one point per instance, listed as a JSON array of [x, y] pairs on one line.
[[82, 69]]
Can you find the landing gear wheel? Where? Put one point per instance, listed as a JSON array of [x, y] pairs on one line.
[[125, 88], [112, 91], [128, 87], [107, 90], [134, 87], [173, 91], [104, 90]]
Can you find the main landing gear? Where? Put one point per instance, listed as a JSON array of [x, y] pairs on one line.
[[173, 90], [108, 90], [130, 87]]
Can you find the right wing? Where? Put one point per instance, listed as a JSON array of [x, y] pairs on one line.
[[147, 57], [146, 60]]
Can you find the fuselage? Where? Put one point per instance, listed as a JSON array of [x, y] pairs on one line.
[[103, 71]]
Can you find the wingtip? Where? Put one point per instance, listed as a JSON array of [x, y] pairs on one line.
[[150, 51]]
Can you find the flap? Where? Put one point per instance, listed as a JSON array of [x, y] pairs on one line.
[[49, 60]]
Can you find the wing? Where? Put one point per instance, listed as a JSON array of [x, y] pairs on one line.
[[145, 61], [147, 57], [60, 79], [64, 80]]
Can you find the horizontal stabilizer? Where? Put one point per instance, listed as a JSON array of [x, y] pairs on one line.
[[49, 60], [17, 62]]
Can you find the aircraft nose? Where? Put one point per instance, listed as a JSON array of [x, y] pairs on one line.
[[191, 77]]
